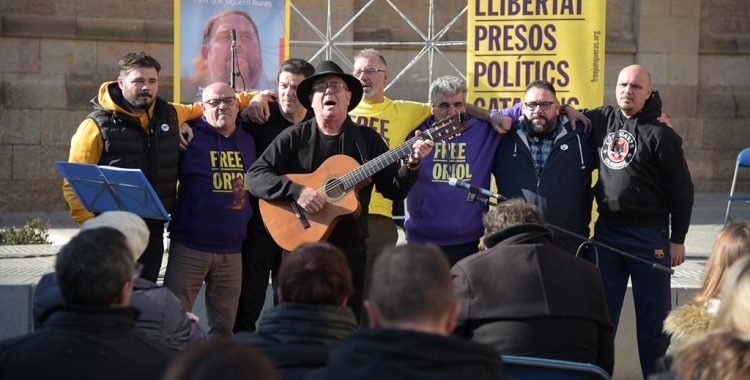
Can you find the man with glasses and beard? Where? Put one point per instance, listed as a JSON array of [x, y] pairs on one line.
[[543, 160]]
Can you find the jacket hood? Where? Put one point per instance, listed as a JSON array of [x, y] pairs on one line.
[[110, 98], [651, 110], [292, 322], [522, 233], [208, 129]]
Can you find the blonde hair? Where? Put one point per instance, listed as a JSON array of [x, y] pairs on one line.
[[720, 355], [724, 353], [732, 243], [734, 312]]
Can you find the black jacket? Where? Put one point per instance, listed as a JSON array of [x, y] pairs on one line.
[[563, 191], [526, 297], [302, 149], [162, 318], [84, 343], [643, 177], [127, 145], [298, 337], [390, 354]]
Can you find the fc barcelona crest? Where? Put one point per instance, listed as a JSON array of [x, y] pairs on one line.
[[659, 253]]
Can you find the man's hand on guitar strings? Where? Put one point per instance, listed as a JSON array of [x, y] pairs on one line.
[[310, 200], [420, 150]]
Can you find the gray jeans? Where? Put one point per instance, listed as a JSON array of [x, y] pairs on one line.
[[188, 268]]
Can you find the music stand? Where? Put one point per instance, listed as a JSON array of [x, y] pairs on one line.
[[108, 188]]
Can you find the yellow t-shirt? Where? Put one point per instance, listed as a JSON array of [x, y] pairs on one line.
[[394, 120]]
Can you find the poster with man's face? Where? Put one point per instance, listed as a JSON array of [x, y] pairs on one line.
[[206, 30]]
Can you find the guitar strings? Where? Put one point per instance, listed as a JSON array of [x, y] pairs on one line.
[[400, 151]]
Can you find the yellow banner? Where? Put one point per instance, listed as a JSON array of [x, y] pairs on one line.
[[209, 33], [511, 43]]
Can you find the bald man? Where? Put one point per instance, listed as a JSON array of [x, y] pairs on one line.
[[644, 189], [209, 223]]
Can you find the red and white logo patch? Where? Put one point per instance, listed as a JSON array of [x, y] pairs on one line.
[[618, 149]]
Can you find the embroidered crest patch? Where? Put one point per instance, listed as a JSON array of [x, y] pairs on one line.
[[659, 253], [618, 149]]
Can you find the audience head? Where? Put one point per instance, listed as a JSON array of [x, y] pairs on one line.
[[315, 273], [220, 359], [447, 96], [633, 89], [96, 268], [291, 73], [372, 71], [411, 288], [732, 243], [511, 213], [540, 108]]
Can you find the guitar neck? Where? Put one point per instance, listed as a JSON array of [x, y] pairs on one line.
[[379, 163], [445, 128]]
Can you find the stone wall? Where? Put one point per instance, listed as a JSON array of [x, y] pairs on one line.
[[56, 53]]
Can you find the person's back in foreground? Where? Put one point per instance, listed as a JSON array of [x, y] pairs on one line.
[[313, 287], [162, 318], [93, 335], [526, 297], [411, 313]]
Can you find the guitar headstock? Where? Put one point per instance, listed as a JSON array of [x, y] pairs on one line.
[[447, 127]]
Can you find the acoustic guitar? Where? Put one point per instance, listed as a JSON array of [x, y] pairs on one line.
[[290, 226]]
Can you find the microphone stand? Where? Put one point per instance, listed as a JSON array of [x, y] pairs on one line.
[[473, 198], [234, 60]]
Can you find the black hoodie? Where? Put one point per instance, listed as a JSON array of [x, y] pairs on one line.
[[643, 176]]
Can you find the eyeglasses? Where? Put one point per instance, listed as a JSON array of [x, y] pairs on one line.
[[229, 100], [545, 106], [334, 86], [368, 71]]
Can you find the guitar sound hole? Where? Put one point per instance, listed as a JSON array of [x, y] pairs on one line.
[[334, 189]]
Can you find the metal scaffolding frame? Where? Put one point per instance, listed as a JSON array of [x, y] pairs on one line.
[[430, 42]]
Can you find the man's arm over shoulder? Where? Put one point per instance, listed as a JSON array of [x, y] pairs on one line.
[[86, 147]]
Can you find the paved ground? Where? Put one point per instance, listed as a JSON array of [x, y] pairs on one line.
[[23, 265]]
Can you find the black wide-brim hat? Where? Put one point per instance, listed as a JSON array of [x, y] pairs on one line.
[[329, 68]]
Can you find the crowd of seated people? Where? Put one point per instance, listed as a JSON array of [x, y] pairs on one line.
[[89, 321]]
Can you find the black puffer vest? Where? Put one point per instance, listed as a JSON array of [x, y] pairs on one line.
[[126, 145]]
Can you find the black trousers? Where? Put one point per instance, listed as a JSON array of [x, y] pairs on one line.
[[154, 253], [260, 256], [356, 255]]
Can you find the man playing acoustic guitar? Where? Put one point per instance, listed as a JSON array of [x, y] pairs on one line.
[[329, 146]]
